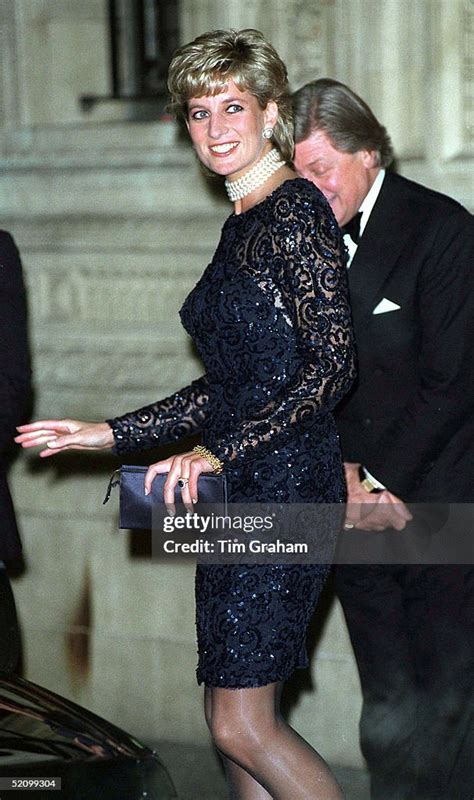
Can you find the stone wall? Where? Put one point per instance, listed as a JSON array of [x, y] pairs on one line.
[[115, 224]]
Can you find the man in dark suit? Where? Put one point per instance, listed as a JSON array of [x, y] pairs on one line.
[[407, 435], [14, 396]]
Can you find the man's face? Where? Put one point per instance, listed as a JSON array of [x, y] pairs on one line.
[[343, 178]]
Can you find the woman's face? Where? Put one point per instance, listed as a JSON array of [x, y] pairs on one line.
[[226, 130]]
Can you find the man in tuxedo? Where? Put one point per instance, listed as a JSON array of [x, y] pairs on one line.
[[14, 396], [407, 435]]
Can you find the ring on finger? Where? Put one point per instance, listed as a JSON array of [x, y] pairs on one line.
[[348, 526], [182, 482]]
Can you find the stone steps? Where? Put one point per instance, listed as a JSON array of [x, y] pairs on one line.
[[124, 168], [127, 190], [166, 231]]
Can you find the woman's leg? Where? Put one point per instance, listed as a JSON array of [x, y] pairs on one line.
[[248, 730], [241, 784]]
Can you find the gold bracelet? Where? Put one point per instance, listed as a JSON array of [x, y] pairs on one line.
[[215, 462]]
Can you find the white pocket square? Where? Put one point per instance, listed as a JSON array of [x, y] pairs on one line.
[[384, 306]]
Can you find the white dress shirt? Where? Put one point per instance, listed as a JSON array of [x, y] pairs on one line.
[[366, 210]]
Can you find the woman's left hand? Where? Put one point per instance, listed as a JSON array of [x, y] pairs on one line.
[[186, 467]]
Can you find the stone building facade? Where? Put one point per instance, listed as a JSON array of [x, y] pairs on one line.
[[115, 224]]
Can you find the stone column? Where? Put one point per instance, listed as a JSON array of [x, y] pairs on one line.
[[454, 64], [10, 84], [381, 50], [295, 27], [62, 53]]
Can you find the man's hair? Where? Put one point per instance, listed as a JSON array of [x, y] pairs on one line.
[[330, 106], [206, 65]]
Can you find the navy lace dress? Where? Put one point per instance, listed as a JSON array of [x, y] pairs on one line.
[[271, 321]]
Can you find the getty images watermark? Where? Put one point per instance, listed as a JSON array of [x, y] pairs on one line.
[[312, 533], [249, 533], [213, 539]]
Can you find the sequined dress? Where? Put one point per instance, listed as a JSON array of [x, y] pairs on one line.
[[271, 321]]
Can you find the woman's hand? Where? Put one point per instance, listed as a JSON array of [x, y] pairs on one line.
[[185, 466], [65, 434]]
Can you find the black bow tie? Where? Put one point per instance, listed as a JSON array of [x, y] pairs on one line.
[[353, 227]]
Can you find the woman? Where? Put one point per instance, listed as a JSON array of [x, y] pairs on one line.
[[271, 321]]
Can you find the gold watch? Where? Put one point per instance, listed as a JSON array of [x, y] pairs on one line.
[[367, 484]]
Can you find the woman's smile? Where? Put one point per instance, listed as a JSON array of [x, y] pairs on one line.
[[223, 149], [226, 129]]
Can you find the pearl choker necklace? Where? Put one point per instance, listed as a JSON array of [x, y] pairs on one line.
[[255, 177]]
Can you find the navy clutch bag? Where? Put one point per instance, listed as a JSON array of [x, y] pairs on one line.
[[138, 510]]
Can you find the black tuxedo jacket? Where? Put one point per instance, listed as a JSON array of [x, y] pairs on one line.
[[14, 378], [409, 416]]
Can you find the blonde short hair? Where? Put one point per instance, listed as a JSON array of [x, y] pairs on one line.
[[207, 64]]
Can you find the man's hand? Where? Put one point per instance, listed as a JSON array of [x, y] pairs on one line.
[[371, 511]]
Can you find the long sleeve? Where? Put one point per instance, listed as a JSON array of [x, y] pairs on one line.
[[15, 371], [168, 420], [309, 284]]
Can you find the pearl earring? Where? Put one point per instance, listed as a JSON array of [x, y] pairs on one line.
[[267, 133]]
